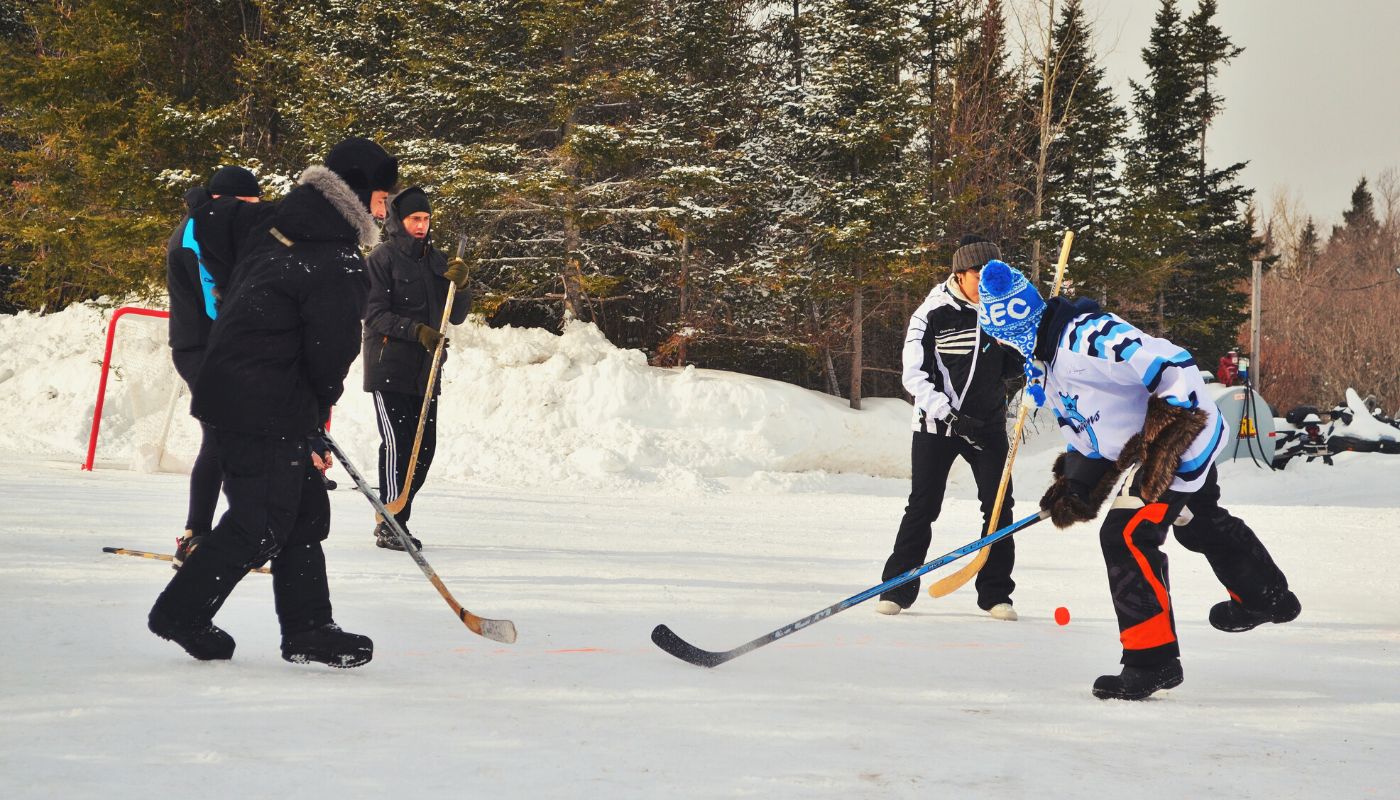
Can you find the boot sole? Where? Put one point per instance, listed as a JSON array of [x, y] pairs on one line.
[[1170, 683], [395, 546], [345, 662], [1242, 627]]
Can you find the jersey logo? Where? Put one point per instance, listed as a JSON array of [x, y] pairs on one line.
[[1076, 421]]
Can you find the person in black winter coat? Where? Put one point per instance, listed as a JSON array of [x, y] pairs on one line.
[[408, 280], [957, 376], [276, 361], [194, 299]]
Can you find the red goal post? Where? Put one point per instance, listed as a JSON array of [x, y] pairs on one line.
[[106, 368]]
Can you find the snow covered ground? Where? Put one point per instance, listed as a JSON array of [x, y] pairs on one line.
[[687, 510]]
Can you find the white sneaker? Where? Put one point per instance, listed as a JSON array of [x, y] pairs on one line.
[[1003, 611], [887, 607]]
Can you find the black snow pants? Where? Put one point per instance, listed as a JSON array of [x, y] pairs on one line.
[[278, 509], [1132, 536], [932, 458]]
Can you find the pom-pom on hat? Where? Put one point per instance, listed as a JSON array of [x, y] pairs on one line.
[[234, 182]]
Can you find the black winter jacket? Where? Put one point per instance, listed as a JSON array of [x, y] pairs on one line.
[[406, 287], [950, 364], [287, 329], [189, 317]]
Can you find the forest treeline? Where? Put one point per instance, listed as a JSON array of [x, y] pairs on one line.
[[763, 186]]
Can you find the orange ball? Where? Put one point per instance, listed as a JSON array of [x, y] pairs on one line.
[[1062, 616]]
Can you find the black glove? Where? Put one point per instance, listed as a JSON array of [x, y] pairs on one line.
[[459, 272], [963, 425], [428, 337], [1081, 485]]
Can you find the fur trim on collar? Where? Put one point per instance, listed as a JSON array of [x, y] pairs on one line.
[[340, 195]]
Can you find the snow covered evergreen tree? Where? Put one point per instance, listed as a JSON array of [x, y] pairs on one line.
[[857, 121], [1188, 238], [1086, 128], [95, 142]]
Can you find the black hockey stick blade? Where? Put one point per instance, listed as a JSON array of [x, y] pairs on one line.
[[667, 640]]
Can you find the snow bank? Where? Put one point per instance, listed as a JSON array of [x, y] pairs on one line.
[[524, 407], [519, 407]]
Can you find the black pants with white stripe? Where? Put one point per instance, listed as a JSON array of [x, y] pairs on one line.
[[933, 457], [397, 417]]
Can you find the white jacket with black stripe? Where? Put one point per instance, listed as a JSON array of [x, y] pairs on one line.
[[952, 365]]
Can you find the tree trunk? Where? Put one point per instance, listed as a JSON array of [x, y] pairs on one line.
[[572, 273], [833, 386], [857, 337], [1049, 77], [684, 291]]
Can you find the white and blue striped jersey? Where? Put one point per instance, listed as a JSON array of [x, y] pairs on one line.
[[1098, 383]]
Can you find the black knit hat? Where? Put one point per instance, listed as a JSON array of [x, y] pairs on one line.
[[364, 166], [411, 201], [234, 182], [973, 253]]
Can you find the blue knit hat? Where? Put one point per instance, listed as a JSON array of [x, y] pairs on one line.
[[1010, 309]]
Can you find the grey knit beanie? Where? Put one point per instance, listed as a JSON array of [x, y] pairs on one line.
[[973, 253]]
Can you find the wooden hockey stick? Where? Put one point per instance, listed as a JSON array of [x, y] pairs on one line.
[[956, 581], [498, 630], [122, 551], [396, 505]]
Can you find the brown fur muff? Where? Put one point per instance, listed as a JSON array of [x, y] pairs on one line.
[[1067, 507], [1166, 433]]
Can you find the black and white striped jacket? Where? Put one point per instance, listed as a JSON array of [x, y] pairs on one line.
[[951, 365]]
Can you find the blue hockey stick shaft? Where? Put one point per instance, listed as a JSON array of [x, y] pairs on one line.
[[667, 640]]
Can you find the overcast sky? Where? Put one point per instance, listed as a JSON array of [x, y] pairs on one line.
[[1313, 103]]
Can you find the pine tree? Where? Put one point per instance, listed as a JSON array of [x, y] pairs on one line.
[[1308, 249], [856, 127], [1190, 239], [1086, 128], [94, 145], [988, 131], [1209, 298], [1360, 218]]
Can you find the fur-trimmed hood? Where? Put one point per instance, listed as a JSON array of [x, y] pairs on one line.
[[356, 220]]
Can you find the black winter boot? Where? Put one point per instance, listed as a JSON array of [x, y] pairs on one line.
[[385, 537], [184, 546], [328, 645], [1138, 683], [1233, 617], [206, 642]]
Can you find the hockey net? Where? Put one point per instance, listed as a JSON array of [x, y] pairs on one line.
[[141, 417]]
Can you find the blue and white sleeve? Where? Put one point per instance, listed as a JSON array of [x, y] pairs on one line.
[[1169, 372]]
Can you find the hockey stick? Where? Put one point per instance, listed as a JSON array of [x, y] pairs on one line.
[[498, 630], [956, 581], [667, 640], [396, 505], [122, 551]]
